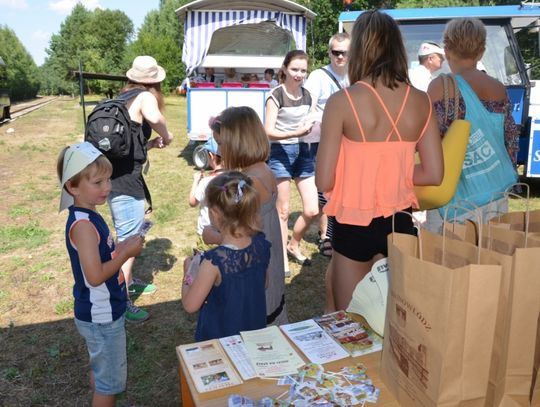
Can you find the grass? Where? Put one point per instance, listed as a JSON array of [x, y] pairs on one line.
[[27, 237], [43, 360]]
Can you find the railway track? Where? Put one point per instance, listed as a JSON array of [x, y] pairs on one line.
[[20, 109]]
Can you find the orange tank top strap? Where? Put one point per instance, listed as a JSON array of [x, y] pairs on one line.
[[355, 114], [383, 105], [428, 117]]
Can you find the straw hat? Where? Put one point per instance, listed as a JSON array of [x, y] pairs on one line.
[[145, 70], [76, 158]]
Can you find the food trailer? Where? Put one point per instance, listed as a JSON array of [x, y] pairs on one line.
[[247, 35], [502, 58]]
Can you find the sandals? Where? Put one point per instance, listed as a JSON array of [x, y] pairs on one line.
[[325, 247], [298, 258]]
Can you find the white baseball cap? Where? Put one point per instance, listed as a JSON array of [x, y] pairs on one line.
[[427, 48], [76, 158], [369, 296]]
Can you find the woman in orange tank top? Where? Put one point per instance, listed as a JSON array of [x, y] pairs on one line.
[[370, 133]]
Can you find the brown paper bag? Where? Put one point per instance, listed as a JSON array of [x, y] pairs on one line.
[[440, 321], [517, 220], [535, 388], [517, 319]]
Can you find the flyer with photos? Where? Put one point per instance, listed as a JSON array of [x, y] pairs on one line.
[[314, 342], [270, 353], [209, 366], [353, 336]]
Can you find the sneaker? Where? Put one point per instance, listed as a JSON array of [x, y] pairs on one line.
[[135, 314], [139, 287]]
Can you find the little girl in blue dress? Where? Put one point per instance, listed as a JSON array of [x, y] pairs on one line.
[[229, 285]]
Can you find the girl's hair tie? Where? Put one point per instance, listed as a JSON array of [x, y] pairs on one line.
[[239, 192], [214, 123]]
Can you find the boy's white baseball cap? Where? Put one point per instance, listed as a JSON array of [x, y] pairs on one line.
[[76, 158]]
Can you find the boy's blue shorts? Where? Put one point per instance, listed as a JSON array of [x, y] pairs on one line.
[[127, 214], [106, 344]]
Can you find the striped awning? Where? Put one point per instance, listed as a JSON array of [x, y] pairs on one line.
[[200, 25]]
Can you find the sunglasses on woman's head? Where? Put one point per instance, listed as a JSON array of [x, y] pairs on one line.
[[338, 53]]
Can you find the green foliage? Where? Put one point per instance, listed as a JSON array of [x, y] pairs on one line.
[[528, 44], [22, 72], [97, 38]]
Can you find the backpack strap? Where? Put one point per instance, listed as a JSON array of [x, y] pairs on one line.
[[332, 77], [130, 94]]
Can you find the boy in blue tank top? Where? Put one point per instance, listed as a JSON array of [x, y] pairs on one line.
[[99, 289]]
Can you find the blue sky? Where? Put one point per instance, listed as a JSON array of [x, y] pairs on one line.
[[34, 21]]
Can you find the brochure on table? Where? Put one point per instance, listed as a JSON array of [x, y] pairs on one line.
[[270, 353], [235, 348], [208, 366], [318, 346], [354, 337]]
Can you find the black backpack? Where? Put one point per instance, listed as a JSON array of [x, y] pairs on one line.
[[108, 127]]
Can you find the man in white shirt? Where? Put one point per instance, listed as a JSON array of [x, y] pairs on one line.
[[325, 81], [430, 58]]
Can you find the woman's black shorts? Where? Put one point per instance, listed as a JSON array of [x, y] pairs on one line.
[[361, 243]]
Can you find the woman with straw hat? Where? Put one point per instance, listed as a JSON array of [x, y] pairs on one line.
[[145, 104]]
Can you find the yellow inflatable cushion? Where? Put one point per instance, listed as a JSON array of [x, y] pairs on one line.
[[454, 146]]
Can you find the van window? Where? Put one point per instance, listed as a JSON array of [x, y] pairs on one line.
[[499, 59], [264, 38]]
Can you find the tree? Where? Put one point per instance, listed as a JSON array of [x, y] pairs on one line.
[[22, 72], [97, 38]]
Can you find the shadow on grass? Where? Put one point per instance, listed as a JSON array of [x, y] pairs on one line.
[[187, 152], [155, 258], [305, 292], [534, 185], [46, 364]]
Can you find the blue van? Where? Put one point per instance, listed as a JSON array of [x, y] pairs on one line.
[[502, 59]]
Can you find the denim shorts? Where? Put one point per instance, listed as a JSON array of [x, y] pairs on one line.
[[292, 160], [127, 214], [106, 344]]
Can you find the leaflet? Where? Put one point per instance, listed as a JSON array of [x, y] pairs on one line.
[[353, 336], [235, 348], [208, 366], [270, 353], [314, 342]]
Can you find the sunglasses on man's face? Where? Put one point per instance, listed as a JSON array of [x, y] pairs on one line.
[[338, 53]]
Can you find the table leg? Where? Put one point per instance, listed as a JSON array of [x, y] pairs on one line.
[[185, 394]]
